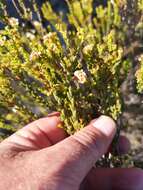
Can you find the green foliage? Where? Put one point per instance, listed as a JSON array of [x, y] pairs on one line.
[[139, 73], [77, 72]]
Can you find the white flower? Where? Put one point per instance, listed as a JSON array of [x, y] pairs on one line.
[[35, 55], [48, 36], [30, 35], [14, 109], [2, 41], [88, 49], [140, 59], [36, 23], [13, 21], [80, 76], [112, 1]]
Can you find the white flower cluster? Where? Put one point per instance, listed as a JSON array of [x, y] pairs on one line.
[[15, 109], [2, 40], [48, 37], [37, 24], [88, 49], [35, 55], [30, 35], [113, 2], [13, 21], [80, 76], [140, 59]]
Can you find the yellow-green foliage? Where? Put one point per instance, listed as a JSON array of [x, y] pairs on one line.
[[139, 73], [79, 77]]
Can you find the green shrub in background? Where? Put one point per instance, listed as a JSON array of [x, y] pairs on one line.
[[77, 72], [139, 74]]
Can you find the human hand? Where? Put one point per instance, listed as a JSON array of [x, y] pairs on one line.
[[40, 156]]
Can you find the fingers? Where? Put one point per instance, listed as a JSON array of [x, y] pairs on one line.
[[76, 155], [38, 134], [118, 179]]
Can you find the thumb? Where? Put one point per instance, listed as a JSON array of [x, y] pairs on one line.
[[78, 153]]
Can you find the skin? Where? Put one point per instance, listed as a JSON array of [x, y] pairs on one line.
[[41, 156]]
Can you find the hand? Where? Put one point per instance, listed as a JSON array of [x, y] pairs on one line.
[[40, 156]]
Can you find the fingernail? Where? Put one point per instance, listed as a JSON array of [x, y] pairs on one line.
[[53, 114], [105, 125]]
